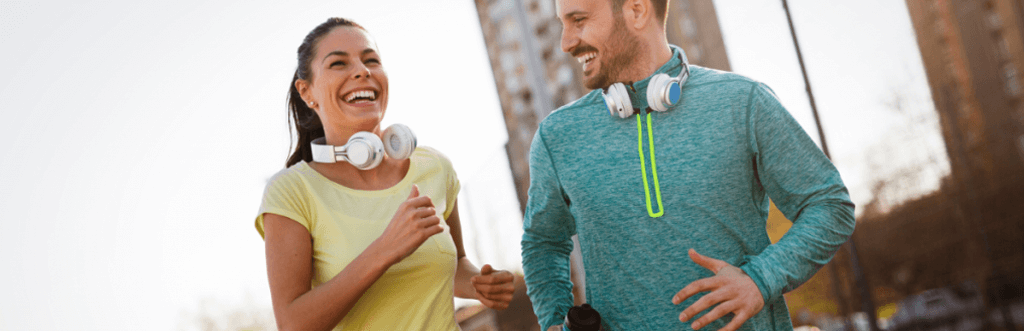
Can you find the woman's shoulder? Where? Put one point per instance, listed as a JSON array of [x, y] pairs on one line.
[[429, 159], [431, 154], [290, 177]]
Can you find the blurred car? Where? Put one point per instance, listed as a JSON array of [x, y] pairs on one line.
[[955, 309]]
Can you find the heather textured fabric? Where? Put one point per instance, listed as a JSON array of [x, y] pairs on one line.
[[721, 153], [414, 294]]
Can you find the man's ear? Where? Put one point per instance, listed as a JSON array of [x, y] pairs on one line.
[[637, 13]]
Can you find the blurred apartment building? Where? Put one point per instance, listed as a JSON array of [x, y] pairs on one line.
[[971, 231], [973, 52]]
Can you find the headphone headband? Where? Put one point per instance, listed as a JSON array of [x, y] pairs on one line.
[[365, 150]]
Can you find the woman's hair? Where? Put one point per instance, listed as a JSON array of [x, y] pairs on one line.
[[307, 123]]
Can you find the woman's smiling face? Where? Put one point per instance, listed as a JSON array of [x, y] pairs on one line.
[[349, 87]]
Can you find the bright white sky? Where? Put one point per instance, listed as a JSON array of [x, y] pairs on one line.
[[136, 139]]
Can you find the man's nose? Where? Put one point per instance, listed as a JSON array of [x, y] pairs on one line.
[[569, 40]]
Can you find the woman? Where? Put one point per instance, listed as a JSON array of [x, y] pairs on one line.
[[363, 249]]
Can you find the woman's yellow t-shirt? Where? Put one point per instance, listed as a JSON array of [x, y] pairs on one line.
[[415, 294]]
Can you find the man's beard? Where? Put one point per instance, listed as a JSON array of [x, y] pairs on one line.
[[622, 49]]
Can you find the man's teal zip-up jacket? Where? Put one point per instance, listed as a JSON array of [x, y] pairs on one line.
[[720, 153]]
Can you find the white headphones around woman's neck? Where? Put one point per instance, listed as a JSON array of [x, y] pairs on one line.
[[365, 150], [663, 91]]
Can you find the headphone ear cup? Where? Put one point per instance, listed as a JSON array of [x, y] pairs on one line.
[[399, 141], [617, 100], [608, 101], [364, 150], [656, 90]]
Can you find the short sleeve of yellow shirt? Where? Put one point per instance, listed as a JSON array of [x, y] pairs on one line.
[[415, 294]]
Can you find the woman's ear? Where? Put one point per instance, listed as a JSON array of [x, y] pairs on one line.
[[303, 87]]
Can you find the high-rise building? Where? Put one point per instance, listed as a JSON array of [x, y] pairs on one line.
[[973, 54], [532, 74], [693, 25]]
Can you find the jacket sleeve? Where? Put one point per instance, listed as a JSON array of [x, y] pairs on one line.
[[806, 188], [547, 230]]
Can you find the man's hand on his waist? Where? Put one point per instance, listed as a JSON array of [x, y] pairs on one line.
[[731, 289]]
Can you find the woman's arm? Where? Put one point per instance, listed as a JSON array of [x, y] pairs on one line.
[[289, 251], [290, 269], [493, 288]]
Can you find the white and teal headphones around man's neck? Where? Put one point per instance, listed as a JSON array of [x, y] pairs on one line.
[[365, 150], [663, 91]]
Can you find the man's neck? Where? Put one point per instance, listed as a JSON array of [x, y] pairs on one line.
[[647, 63]]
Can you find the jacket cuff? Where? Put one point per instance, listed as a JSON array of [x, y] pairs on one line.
[[755, 275]]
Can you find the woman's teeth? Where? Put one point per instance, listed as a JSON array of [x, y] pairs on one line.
[[364, 94]]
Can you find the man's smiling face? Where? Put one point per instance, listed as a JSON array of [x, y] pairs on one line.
[[596, 35]]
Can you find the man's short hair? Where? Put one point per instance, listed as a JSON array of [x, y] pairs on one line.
[[660, 8]]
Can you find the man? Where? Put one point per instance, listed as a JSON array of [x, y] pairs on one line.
[[642, 215]]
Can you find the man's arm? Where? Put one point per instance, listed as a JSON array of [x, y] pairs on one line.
[[806, 187], [799, 178], [547, 230]]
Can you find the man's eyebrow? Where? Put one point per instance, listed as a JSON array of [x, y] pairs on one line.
[[344, 54], [571, 14]]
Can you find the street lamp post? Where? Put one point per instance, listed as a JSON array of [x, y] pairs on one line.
[[867, 303]]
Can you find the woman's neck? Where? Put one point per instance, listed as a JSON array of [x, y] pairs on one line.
[[389, 173]]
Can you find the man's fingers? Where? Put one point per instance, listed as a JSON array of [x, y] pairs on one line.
[[715, 314], [415, 192], [737, 320], [486, 270], [703, 304], [701, 285], [708, 263]]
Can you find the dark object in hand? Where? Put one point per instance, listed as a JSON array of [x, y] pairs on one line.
[[583, 318]]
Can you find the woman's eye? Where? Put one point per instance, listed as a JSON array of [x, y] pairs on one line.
[[337, 63], [373, 61]]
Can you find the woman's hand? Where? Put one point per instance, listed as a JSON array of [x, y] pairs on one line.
[[494, 288], [413, 223]]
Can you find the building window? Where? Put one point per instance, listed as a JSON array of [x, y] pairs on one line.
[[689, 28], [1004, 47], [993, 20], [1020, 146], [694, 54], [940, 28], [1012, 79]]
